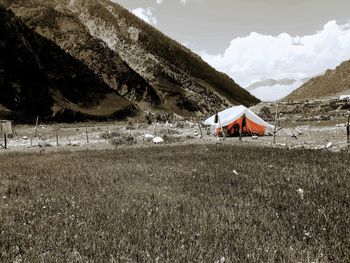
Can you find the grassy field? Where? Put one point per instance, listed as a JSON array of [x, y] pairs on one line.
[[175, 204]]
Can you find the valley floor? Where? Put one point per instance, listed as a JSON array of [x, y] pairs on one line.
[[327, 135], [175, 203]]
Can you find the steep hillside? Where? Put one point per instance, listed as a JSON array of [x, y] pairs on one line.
[[142, 64], [37, 77], [332, 83]]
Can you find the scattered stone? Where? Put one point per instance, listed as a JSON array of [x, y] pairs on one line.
[[329, 145], [25, 138], [149, 136], [158, 140], [234, 172], [254, 137]]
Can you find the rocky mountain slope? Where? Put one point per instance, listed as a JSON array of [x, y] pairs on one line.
[[332, 83], [144, 66], [39, 78]]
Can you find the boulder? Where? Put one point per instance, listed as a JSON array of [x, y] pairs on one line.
[[158, 140]]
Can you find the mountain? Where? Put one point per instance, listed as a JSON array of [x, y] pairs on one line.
[[332, 83], [148, 69], [37, 77]]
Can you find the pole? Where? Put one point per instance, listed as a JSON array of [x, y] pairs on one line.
[[243, 124], [87, 136], [57, 137], [200, 129], [36, 126], [222, 130], [5, 140], [348, 131], [275, 128]]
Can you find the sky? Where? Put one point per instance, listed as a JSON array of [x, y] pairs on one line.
[[253, 40]]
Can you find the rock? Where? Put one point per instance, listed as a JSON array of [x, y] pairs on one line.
[[25, 138], [158, 140], [234, 172], [329, 145], [149, 136]]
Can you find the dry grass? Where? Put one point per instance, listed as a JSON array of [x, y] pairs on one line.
[[175, 204]]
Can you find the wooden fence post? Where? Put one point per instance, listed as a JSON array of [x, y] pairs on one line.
[[5, 140], [87, 135], [275, 128], [36, 126], [200, 128], [57, 137], [222, 129], [348, 131]]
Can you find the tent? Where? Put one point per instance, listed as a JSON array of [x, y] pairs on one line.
[[234, 118]]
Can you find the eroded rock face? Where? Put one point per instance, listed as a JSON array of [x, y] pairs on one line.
[[38, 78], [150, 70]]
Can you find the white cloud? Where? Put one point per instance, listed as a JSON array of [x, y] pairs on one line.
[[258, 57], [276, 92], [183, 2], [146, 14]]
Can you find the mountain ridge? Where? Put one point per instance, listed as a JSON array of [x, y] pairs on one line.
[[140, 63], [330, 84], [39, 78]]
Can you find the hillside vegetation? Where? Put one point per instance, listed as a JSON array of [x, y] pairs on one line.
[[332, 83], [150, 70]]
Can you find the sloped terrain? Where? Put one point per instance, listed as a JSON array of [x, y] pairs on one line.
[[332, 83], [39, 78], [131, 57]]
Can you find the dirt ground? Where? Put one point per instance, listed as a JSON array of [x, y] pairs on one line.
[[82, 136]]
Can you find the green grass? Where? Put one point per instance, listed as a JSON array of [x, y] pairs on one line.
[[175, 204]]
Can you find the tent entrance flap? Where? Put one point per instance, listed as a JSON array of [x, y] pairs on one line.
[[248, 127]]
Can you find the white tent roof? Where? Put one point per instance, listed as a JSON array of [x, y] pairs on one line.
[[230, 115]]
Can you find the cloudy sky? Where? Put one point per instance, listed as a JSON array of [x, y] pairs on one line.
[[253, 40]]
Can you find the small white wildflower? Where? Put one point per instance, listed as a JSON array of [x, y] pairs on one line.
[[307, 234], [301, 193]]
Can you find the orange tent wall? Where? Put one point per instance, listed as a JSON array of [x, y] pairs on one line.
[[250, 127]]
